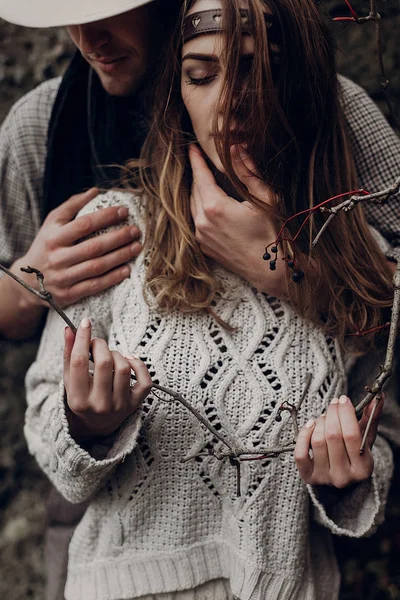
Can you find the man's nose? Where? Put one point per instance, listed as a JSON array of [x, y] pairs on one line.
[[92, 37]]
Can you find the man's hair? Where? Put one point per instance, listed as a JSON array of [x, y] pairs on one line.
[[289, 105]]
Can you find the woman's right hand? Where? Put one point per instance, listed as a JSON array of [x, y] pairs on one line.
[[98, 403], [233, 233]]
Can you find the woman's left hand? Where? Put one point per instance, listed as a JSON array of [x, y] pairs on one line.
[[335, 440], [235, 233]]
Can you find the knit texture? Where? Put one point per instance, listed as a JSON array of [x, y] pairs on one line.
[[156, 524]]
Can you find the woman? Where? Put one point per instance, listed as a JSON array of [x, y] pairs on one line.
[[256, 87]]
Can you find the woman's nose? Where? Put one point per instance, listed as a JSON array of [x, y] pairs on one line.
[[92, 37]]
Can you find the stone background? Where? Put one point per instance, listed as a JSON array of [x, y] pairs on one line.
[[371, 568]]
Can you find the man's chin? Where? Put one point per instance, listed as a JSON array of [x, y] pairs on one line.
[[115, 87]]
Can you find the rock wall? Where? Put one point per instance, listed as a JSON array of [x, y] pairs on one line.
[[27, 57]]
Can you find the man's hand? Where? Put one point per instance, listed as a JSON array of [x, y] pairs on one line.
[[335, 441], [235, 233], [74, 269]]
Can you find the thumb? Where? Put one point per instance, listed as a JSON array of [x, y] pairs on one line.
[[374, 408], [70, 208], [247, 172]]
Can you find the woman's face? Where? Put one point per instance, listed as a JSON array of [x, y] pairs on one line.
[[203, 73]]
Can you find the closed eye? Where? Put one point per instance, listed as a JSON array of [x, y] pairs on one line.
[[200, 80]]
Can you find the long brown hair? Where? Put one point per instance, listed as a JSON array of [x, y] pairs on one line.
[[302, 153]]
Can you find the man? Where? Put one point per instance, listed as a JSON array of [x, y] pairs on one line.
[[54, 143], [57, 142], [53, 146]]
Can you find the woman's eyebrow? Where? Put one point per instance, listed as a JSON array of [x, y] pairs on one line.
[[203, 57]]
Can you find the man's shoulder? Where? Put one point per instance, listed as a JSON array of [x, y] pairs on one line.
[[351, 93], [33, 110]]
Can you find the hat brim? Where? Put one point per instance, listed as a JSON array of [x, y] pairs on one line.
[[51, 13]]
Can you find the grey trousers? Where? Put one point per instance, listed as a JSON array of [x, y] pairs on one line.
[[62, 518]]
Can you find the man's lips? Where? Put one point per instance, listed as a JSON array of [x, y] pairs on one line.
[[107, 61], [108, 65]]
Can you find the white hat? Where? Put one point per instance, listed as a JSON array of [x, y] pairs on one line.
[[54, 13]]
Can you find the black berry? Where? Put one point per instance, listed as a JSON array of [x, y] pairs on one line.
[[291, 264], [266, 256], [278, 418], [274, 249], [272, 265], [297, 276]]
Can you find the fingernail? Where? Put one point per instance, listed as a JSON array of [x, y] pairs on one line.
[[343, 399], [65, 330], [123, 212], [134, 232], [242, 151], [334, 401], [136, 246], [310, 423], [125, 271], [131, 357], [85, 323]]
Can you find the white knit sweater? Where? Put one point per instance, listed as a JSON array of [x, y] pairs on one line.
[[156, 524]]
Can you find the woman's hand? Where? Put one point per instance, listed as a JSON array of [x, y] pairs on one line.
[[335, 440], [235, 233], [99, 403]]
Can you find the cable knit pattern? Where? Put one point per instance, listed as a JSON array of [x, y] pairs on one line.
[[158, 525]]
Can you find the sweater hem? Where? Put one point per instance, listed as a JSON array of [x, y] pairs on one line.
[[136, 576]]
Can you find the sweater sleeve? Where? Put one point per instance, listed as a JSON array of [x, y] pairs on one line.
[[358, 510], [23, 137], [376, 151], [76, 472]]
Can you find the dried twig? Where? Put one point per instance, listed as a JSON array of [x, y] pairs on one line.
[[386, 369], [375, 17], [235, 454], [352, 202]]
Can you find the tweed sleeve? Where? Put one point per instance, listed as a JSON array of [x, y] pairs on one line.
[[376, 151], [13, 198], [23, 136], [76, 472]]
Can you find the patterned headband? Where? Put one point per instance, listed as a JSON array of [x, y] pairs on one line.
[[209, 21]]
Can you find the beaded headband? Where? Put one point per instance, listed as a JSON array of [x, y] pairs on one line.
[[209, 21]]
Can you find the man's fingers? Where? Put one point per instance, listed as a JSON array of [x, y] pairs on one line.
[[89, 287], [97, 246], [246, 171], [98, 266], [70, 208], [302, 451], [83, 226], [78, 387]]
